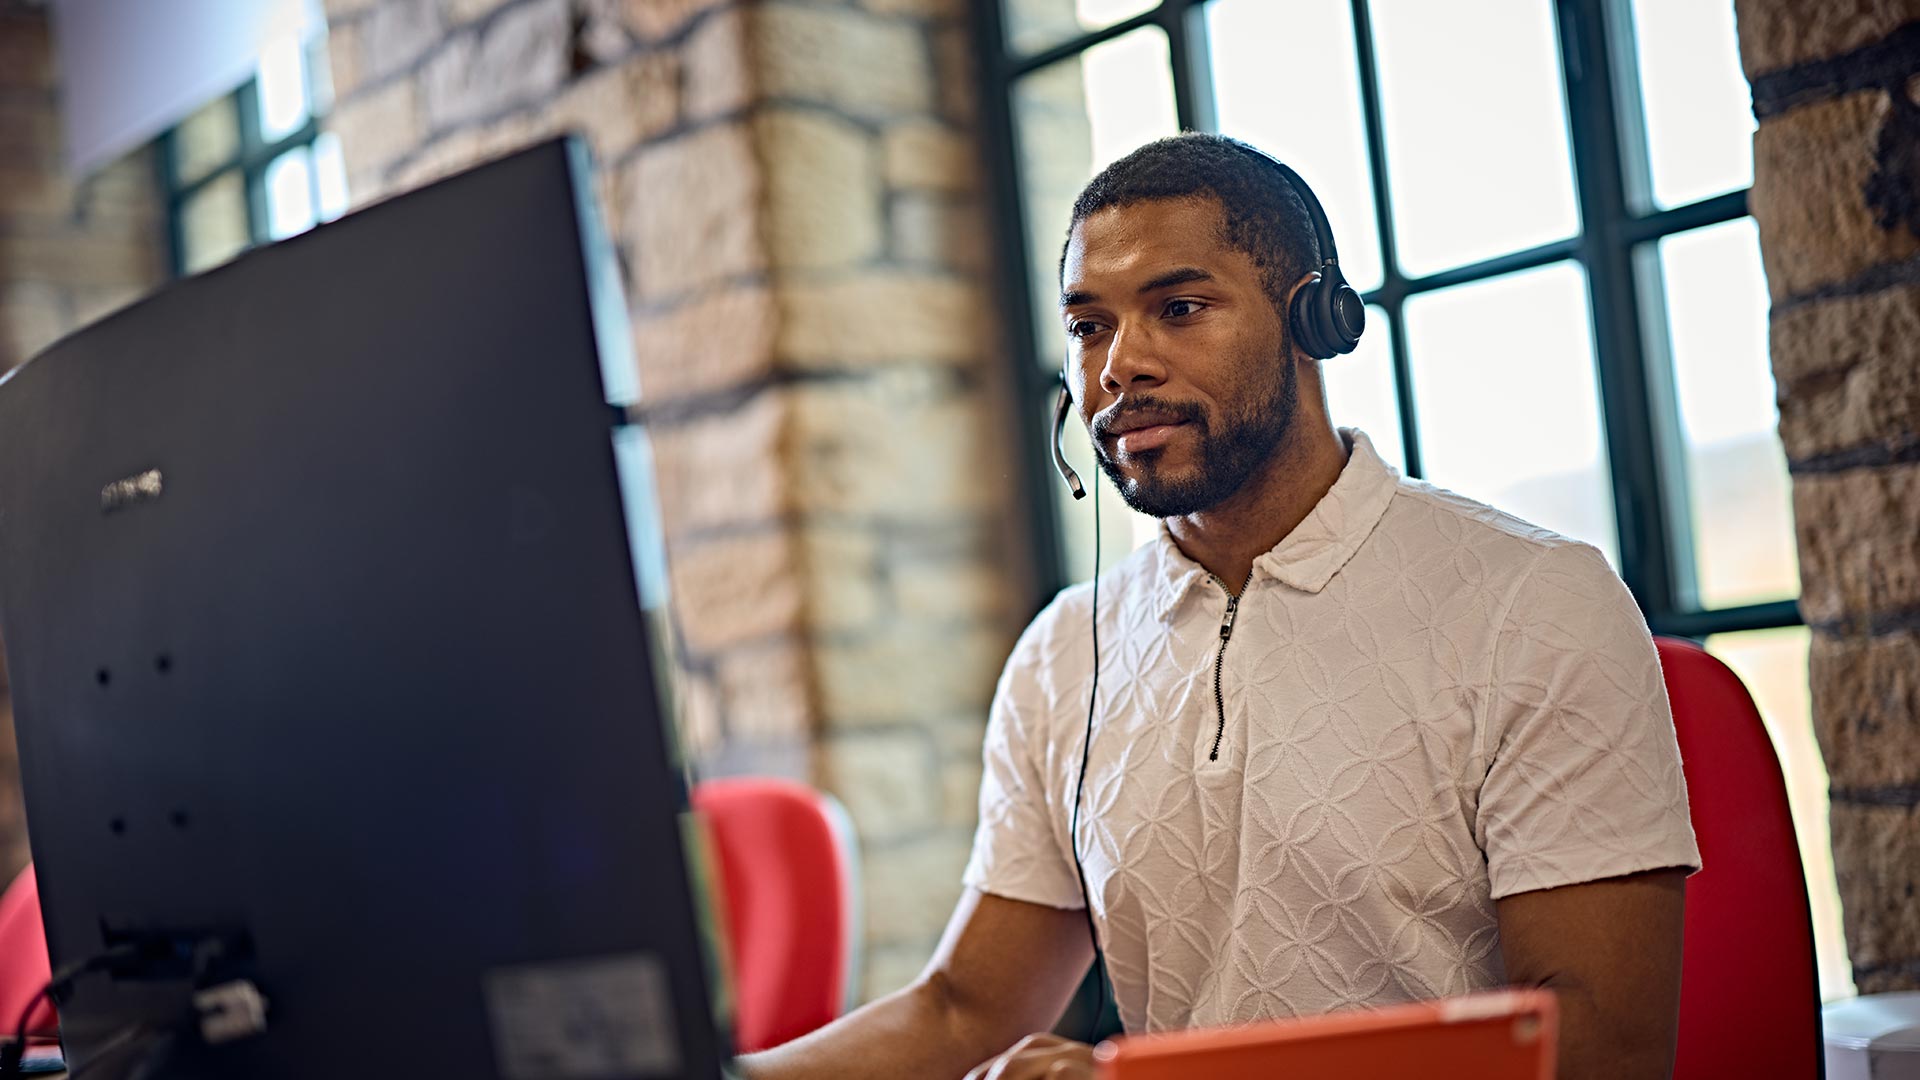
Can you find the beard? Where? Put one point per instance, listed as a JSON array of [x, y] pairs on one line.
[[1232, 447]]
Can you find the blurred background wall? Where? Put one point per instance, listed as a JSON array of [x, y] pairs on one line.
[[837, 221], [1836, 192]]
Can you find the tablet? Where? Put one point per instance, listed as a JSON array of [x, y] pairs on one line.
[[1499, 1035]]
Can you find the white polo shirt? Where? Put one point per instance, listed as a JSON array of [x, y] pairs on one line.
[[1425, 705]]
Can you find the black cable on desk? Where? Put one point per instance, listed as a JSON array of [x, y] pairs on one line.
[[62, 981]]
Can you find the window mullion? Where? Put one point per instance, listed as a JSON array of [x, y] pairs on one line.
[[996, 76], [1185, 24], [1640, 222], [1729, 206], [1393, 289], [1647, 528], [168, 162], [252, 168], [1630, 120]]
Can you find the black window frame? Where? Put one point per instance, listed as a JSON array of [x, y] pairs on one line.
[[251, 157], [1614, 245]]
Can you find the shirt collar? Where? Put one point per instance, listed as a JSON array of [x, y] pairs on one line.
[[1317, 548]]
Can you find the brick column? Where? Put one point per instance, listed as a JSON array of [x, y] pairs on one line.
[[1836, 192], [795, 193], [896, 454], [70, 252]]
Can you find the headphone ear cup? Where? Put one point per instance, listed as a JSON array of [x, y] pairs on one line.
[[1306, 319], [1329, 304], [1346, 317], [1325, 325]]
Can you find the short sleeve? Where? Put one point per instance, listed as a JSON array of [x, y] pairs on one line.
[[1016, 849], [1584, 780]]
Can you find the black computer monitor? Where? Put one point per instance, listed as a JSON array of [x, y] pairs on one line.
[[328, 666]]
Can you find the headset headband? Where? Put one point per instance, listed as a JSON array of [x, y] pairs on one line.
[[1327, 316], [1322, 232]]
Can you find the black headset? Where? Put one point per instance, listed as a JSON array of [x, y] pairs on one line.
[[1326, 314], [1327, 317]]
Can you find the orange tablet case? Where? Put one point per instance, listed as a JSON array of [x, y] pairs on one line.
[[1499, 1035]]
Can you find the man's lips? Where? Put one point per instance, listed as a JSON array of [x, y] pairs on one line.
[[1145, 426], [1141, 439]]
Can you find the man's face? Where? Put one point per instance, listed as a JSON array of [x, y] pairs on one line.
[[1181, 367]]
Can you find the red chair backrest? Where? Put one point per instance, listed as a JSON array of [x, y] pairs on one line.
[[1749, 991], [24, 967], [786, 873]]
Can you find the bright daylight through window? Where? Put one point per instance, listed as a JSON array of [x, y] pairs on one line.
[[253, 165]]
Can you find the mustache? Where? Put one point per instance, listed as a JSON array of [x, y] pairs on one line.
[[1159, 411]]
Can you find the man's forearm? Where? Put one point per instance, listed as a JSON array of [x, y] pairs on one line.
[[919, 1031], [1596, 1043]]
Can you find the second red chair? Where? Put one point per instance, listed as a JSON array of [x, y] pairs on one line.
[[786, 861], [1749, 991], [24, 967]]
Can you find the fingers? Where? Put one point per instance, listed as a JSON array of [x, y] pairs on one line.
[[1039, 1057]]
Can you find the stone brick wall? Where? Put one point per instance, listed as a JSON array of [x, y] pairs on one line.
[[794, 189], [69, 253], [1836, 192]]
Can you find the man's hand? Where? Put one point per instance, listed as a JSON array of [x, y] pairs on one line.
[[1039, 1056], [1003, 968]]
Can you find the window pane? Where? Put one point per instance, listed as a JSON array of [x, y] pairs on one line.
[[205, 141], [290, 194], [282, 89], [1741, 508], [1698, 108], [1121, 530], [1476, 129], [330, 176], [1511, 416], [1773, 664], [1072, 119], [1265, 52], [1360, 391], [1033, 25], [213, 223]]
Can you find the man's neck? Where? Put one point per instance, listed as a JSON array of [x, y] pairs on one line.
[[1226, 539]]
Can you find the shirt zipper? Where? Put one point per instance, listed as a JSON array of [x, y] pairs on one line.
[[1220, 657]]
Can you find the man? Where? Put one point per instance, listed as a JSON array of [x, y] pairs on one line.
[[1357, 740]]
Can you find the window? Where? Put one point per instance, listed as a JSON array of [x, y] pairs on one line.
[[1554, 244], [253, 166]]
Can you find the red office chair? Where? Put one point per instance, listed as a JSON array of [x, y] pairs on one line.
[[24, 967], [1749, 992], [787, 867]]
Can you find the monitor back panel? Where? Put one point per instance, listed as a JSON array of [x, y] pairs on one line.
[[321, 621]]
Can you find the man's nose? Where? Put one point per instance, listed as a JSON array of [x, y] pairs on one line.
[[1135, 360]]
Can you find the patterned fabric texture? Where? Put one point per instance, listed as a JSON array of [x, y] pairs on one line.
[[1429, 705]]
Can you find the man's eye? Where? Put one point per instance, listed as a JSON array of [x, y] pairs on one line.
[[1180, 309], [1079, 328]]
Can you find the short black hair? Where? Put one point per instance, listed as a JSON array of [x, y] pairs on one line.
[[1264, 216]]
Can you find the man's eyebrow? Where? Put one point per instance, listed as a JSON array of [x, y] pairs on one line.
[[1180, 276]]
